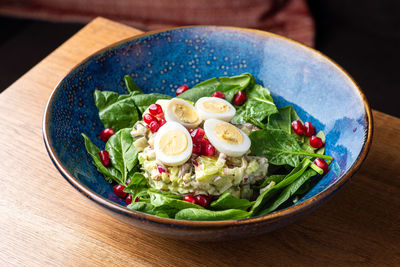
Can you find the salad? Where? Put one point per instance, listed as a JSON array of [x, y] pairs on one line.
[[220, 150]]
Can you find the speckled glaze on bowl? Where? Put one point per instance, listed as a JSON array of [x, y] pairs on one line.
[[160, 61]]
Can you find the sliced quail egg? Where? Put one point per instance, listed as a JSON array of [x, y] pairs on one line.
[[226, 137], [181, 111], [173, 144], [215, 108]]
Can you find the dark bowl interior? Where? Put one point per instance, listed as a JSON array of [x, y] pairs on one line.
[[320, 91]]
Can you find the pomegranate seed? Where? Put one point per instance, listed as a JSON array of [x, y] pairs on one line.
[[189, 198], [119, 190], [208, 150], [161, 168], [202, 200], [162, 121], [196, 149], [106, 134], [316, 142], [128, 199], [155, 109], [154, 126], [182, 89], [137, 199], [322, 164], [104, 157], [197, 135], [218, 94], [309, 129], [204, 142], [239, 98], [191, 131], [298, 127], [148, 118]]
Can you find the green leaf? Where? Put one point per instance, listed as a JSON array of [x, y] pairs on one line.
[[276, 178], [279, 147], [116, 111], [288, 192], [147, 208], [227, 201], [131, 85], [123, 154], [209, 215], [143, 101], [289, 179], [138, 186], [227, 85], [258, 106], [109, 172], [281, 120]]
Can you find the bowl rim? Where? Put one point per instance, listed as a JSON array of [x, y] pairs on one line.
[[308, 204]]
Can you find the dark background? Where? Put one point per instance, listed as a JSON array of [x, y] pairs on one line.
[[362, 36]]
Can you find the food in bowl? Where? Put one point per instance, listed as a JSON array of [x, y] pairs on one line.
[[217, 151]]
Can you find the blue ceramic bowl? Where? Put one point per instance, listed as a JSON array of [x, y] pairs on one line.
[[320, 90]]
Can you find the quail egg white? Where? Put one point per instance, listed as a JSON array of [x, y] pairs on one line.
[[183, 112], [215, 108], [226, 137]]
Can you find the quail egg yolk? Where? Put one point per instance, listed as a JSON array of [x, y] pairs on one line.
[[215, 106], [185, 113], [228, 133], [173, 143]]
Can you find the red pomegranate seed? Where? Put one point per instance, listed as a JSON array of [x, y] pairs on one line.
[[239, 98], [136, 199], [219, 94], [148, 118], [197, 135], [154, 126], [204, 142], [128, 199], [189, 198], [202, 200], [161, 168], [119, 190], [298, 127], [106, 134], [155, 109], [309, 129], [316, 142], [162, 121], [322, 164], [196, 149], [181, 89], [104, 157], [208, 150]]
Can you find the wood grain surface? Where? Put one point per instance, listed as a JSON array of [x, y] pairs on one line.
[[45, 222]]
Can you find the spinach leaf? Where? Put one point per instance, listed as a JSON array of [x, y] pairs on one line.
[[288, 192], [227, 85], [276, 178], [147, 208], [110, 173], [209, 215], [163, 202], [290, 178], [143, 101], [116, 111], [138, 186], [227, 201], [279, 147], [164, 193], [123, 154], [131, 85], [258, 106], [281, 120]]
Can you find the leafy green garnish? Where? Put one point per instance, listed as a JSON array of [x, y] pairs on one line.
[[279, 147], [143, 101], [131, 85], [227, 201], [289, 191], [209, 215], [116, 111], [227, 85], [110, 173], [258, 106], [123, 154]]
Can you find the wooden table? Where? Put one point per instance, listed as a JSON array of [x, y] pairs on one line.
[[45, 221]]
